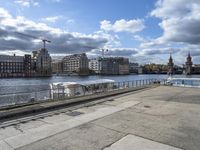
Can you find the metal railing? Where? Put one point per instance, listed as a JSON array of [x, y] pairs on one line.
[[184, 82], [28, 95]]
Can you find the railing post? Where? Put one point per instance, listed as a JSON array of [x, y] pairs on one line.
[[63, 92]]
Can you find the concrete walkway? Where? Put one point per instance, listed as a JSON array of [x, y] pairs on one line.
[[162, 118]]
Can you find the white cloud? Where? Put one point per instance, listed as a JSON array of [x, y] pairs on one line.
[[27, 3], [115, 52], [112, 40], [70, 21], [62, 41], [4, 13], [180, 21], [12, 52], [134, 25], [56, 1], [138, 38], [52, 19]]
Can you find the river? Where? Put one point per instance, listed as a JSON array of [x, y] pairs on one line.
[[13, 85]]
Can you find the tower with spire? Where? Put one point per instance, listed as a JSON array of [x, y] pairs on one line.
[[170, 65], [188, 65]]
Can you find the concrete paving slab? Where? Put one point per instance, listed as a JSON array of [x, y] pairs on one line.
[[41, 133], [36, 134], [1, 137], [84, 137], [131, 142], [85, 110], [166, 121], [97, 106], [5, 146], [56, 118], [9, 132], [31, 124]]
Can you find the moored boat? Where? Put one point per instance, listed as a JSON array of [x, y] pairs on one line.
[[70, 89]]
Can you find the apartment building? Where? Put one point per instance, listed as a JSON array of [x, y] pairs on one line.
[[15, 66], [77, 63], [114, 66], [94, 65]]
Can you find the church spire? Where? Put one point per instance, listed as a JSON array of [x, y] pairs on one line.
[[189, 56], [188, 64], [170, 65]]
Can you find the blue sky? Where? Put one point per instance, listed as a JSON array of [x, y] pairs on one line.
[[146, 31]]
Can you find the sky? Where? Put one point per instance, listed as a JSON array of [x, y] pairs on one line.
[[145, 31]]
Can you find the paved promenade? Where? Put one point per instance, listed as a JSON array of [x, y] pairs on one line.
[[161, 118]]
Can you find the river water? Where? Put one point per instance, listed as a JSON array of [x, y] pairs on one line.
[[14, 85], [10, 87]]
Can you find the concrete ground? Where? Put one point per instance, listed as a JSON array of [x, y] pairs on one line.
[[162, 118]]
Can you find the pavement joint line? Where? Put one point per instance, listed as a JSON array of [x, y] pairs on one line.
[[107, 127], [156, 141], [106, 146], [144, 138], [45, 122], [128, 133], [8, 145], [43, 132]]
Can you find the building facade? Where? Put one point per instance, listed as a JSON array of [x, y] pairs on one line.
[[15, 66], [196, 69], [133, 68], [114, 66], [57, 67], [94, 65], [26, 66], [77, 63], [41, 63], [123, 65]]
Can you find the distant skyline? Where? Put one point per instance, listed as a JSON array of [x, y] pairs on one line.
[[145, 31]]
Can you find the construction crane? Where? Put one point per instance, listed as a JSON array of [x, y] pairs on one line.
[[103, 52], [33, 37]]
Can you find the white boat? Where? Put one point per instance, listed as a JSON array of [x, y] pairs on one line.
[[184, 82], [70, 89]]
